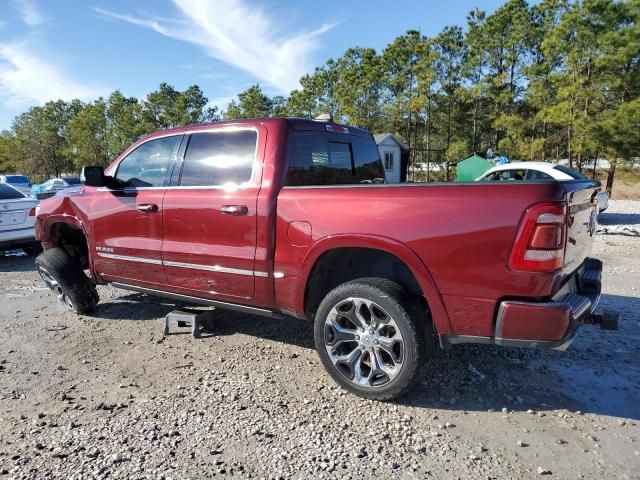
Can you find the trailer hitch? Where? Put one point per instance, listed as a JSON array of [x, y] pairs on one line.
[[608, 320]]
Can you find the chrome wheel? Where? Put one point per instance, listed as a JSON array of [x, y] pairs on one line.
[[55, 287], [364, 342]]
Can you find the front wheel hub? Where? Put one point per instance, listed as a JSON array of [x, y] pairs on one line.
[[55, 287]]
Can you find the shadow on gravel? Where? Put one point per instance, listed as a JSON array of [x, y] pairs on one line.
[[632, 219], [600, 373], [139, 306], [16, 261]]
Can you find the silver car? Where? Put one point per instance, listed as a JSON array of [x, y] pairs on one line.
[[17, 220]]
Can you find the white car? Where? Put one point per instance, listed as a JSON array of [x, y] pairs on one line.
[[538, 171], [17, 220]]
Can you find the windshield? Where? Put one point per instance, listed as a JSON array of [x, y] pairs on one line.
[[570, 172], [17, 179], [9, 193]]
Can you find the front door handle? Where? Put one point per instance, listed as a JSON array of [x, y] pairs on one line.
[[147, 207], [234, 209]]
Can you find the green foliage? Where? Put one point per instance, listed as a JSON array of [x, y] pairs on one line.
[[252, 103], [61, 137]]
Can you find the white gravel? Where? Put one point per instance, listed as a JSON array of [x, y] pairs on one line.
[[107, 397]]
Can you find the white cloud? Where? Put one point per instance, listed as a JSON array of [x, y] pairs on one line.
[[241, 35], [29, 12], [26, 77]]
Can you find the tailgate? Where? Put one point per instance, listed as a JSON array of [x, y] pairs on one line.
[[582, 217]]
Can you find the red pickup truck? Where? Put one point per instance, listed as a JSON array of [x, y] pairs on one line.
[[290, 216]]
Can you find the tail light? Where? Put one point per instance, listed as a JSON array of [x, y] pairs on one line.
[[33, 212], [539, 245]]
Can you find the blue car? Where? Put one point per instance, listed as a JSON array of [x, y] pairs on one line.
[[52, 186]]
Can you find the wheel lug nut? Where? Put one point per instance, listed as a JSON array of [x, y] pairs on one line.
[[376, 342], [357, 337]]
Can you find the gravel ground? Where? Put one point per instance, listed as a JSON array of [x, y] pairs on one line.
[[105, 396]]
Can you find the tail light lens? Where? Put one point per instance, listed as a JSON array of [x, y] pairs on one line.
[[33, 212], [539, 245]]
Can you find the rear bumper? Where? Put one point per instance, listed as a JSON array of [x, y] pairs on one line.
[[551, 324], [23, 237]]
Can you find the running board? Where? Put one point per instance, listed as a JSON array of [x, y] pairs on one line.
[[200, 301]]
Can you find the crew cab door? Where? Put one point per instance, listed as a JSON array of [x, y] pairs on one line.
[[127, 223], [210, 217]]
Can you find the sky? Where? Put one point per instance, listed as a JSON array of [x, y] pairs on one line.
[[88, 48]]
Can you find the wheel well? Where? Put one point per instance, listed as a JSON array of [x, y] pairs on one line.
[[344, 264], [72, 240]]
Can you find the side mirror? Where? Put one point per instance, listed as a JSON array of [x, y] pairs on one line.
[[93, 176]]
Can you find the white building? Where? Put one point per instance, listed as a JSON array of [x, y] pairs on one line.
[[394, 155]]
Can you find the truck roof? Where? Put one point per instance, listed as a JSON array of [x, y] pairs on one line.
[[293, 122]]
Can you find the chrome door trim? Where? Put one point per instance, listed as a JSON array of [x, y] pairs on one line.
[[193, 266], [129, 258]]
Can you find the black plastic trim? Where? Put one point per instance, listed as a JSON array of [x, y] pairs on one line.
[[199, 300]]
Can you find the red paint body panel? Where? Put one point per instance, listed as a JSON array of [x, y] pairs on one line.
[[455, 238]]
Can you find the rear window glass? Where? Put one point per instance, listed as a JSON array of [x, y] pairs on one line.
[[9, 193], [570, 172], [368, 166], [72, 180], [328, 159], [17, 179], [219, 158]]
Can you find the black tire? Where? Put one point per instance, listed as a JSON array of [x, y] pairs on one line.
[[69, 280], [407, 313]]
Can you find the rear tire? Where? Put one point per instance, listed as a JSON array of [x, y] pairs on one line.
[[64, 276], [373, 338]]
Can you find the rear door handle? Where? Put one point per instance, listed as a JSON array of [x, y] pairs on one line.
[[147, 207], [234, 209]]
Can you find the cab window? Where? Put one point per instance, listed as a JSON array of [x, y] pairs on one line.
[[506, 175], [149, 165], [538, 175], [219, 158]]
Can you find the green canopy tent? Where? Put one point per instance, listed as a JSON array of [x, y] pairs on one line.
[[470, 168]]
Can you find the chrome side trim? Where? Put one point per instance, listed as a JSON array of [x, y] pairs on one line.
[[200, 301], [193, 266], [215, 268], [129, 259]]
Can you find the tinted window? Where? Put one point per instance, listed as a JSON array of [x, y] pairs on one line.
[[320, 159], [149, 164], [508, 175], [570, 172], [368, 167], [219, 158], [9, 193], [538, 175], [17, 179], [72, 180]]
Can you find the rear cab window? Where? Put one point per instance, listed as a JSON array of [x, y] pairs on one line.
[[319, 158]]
